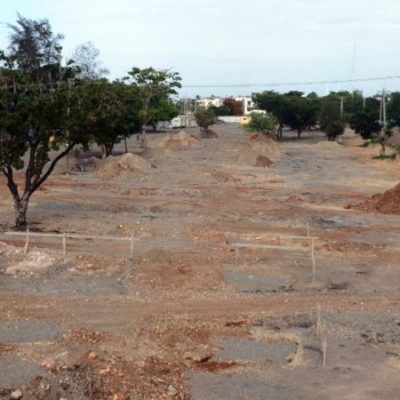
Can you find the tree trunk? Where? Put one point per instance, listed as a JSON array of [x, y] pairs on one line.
[[126, 146], [382, 141], [298, 133], [144, 139], [279, 132], [21, 209], [103, 151], [109, 148]]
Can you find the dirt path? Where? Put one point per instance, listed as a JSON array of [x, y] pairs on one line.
[[151, 327]]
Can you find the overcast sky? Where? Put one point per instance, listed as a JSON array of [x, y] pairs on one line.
[[220, 42]]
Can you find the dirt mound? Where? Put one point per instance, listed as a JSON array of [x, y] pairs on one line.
[[257, 153], [209, 134], [386, 203], [166, 144], [126, 166], [263, 161]]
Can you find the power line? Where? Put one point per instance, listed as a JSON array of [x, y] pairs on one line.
[[304, 83]]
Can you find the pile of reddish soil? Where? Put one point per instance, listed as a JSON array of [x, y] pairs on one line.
[[263, 161], [127, 165], [257, 153], [387, 202]]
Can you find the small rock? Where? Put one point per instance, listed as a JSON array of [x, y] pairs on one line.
[[172, 391], [16, 394], [92, 356], [105, 371]]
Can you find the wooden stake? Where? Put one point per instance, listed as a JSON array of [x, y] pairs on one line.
[[324, 345], [131, 246], [26, 241], [64, 244], [237, 255], [324, 342], [318, 328], [313, 261]]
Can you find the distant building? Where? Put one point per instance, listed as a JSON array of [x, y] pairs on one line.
[[210, 101], [247, 102]]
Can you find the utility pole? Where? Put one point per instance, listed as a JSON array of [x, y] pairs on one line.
[[341, 108], [382, 119]]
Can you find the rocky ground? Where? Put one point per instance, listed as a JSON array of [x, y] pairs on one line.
[[189, 316]]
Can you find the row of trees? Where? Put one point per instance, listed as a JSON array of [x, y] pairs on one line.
[[49, 107], [331, 113]]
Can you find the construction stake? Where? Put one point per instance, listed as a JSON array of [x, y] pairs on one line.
[[26, 241], [131, 246], [318, 328], [313, 261], [64, 244], [324, 345]]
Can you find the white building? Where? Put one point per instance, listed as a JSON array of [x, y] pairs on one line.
[[247, 102], [210, 101]]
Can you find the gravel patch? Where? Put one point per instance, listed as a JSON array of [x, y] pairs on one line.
[[28, 331], [15, 372], [251, 350]]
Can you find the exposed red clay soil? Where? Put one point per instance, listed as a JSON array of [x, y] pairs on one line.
[[386, 203], [263, 161]]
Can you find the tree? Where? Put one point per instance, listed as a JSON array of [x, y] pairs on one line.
[[262, 123], [393, 109], [40, 111], [153, 86], [366, 122], [161, 110], [330, 119], [85, 56], [218, 111], [34, 48], [300, 112], [294, 109], [272, 103], [232, 107], [205, 117], [115, 112]]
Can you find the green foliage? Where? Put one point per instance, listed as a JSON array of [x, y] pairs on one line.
[[273, 103], [262, 123], [301, 112], [114, 112], [154, 87], [218, 111], [330, 120], [205, 117], [293, 109], [393, 109], [162, 109], [47, 108], [34, 48], [365, 123]]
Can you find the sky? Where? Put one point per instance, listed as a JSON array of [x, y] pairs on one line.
[[223, 42]]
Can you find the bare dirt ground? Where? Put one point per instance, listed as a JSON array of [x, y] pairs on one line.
[[187, 319]]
